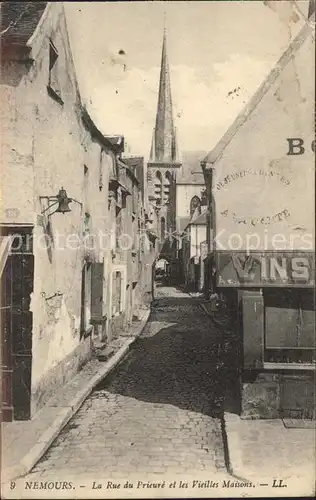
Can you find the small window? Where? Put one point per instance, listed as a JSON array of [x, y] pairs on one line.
[[194, 204], [53, 86], [163, 228], [87, 223], [289, 326], [53, 56], [86, 189], [158, 177], [203, 197], [101, 170], [168, 177]]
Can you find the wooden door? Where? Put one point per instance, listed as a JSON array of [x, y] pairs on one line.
[[128, 304], [6, 344], [97, 285], [16, 329], [22, 327], [85, 299]]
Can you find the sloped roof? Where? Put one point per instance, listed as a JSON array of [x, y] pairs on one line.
[[133, 161], [116, 143], [191, 171], [18, 21], [199, 218], [294, 46], [182, 223]]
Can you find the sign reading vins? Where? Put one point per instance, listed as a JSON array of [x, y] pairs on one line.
[[259, 269]]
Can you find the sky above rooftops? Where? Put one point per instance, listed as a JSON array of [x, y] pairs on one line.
[[219, 53]]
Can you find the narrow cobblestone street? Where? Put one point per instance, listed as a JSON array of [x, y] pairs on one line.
[[158, 412]]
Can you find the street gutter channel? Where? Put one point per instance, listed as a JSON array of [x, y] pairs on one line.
[[227, 454], [64, 415]]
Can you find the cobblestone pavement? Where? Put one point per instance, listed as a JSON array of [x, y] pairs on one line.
[[158, 412]]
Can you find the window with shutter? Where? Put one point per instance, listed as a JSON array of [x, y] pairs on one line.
[[289, 330], [53, 86], [116, 293], [97, 271]]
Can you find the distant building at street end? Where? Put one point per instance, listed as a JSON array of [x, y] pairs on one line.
[[191, 256], [175, 179]]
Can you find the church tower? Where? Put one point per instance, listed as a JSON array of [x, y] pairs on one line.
[[164, 162], [164, 143]]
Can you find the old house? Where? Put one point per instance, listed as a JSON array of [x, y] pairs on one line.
[[193, 237], [260, 180], [126, 203], [43, 163], [103, 198], [141, 243], [67, 198], [190, 187]]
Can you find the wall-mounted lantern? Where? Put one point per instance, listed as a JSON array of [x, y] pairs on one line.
[[62, 200]]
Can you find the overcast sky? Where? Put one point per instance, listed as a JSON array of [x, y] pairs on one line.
[[214, 47]]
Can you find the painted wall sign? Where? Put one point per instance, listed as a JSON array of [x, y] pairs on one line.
[[261, 269], [249, 171], [265, 219], [263, 174], [296, 146]]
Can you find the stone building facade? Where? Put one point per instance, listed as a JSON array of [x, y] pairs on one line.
[[66, 197], [130, 243], [260, 182], [193, 237]]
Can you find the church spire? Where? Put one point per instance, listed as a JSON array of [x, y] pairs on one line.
[[164, 148]]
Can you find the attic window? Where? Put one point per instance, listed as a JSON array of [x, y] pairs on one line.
[[53, 86]]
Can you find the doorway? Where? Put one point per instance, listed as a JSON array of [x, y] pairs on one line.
[[86, 327], [17, 281]]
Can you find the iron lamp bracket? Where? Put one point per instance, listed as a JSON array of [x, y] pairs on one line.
[[62, 200]]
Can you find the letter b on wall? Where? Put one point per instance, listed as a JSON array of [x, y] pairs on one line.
[[295, 146]]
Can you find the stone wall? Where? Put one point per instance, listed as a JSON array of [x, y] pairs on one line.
[[46, 147], [60, 374], [279, 395]]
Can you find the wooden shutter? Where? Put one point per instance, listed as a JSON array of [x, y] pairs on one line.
[[22, 325], [97, 272], [253, 328]]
